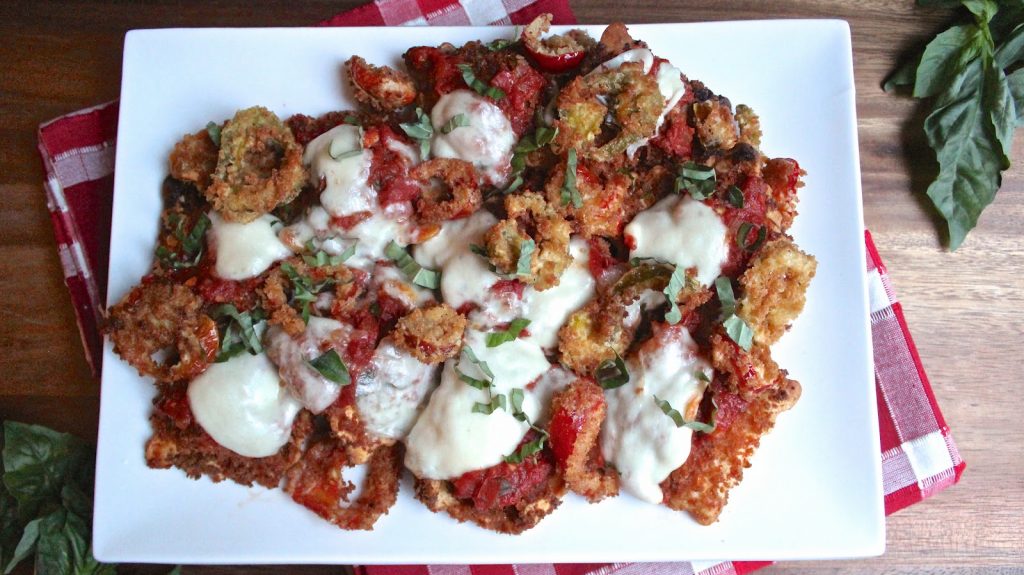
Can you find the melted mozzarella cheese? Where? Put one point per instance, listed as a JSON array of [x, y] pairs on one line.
[[642, 55], [547, 310], [450, 439], [243, 406], [638, 438], [293, 354], [346, 190], [681, 231], [487, 140], [370, 236], [466, 277], [390, 392], [245, 250]]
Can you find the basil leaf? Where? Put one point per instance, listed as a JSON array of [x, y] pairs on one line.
[[237, 331], [698, 180], [675, 285], [526, 249], [421, 130], [337, 151], [479, 250], [26, 545], [497, 402], [734, 196], [743, 236], [612, 373], [681, 421], [570, 193], [481, 365], [723, 286], [1015, 81], [943, 57], [500, 44], [905, 75], [457, 121], [516, 397], [352, 120], [330, 365], [983, 10], [478, 86], [528, 449], [213, 130], [1011, 50], [416, 273], [739, 331], [515, 327], [1001, 109], [38, 462]]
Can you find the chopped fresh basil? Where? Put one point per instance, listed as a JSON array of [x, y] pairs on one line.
[[421, 130], [701, 376], [304, 291], [352, 120], [237, 331], [416, 273], [496, 402], [675, 285], [330, 365], [612, 373], [743, 236], [516, 397], [339, 151], [529, 448], [697, 180], [321, 258], [734, 196], [723, 286], [679, 420], [543, 136], [457, 121], [500, 44], [481, 365], [479, 250], [191, 243], [515, 327], [739, 331], [526, 249], [213, 130], [571, 193], [478, 86]]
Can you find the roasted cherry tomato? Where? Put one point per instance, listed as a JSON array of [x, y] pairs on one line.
[[556, 54]]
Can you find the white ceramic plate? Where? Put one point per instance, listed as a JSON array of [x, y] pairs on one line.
[[814, 490]]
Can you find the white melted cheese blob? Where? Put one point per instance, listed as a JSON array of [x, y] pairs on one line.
[[370, 236], [681, 231], [466, 277], [486, 142], [243, 406], [293, 354], [390, 392], [637, 437], [346, 190], [245, 250], [547, 310], [449, 439]]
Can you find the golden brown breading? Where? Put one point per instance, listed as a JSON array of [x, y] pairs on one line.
[[259, 166], [746, 373], [451, 190], [774, 288], [577, 413], [278, 291], [715, 125], [194, 159], [783, 177], [530, 218], [346, 425], [431, 334], [380, 87], [437, 496], [317, 483], [178, 441], [604, 194], [701, 485], [156, 316], [749, 124], [591, 335]]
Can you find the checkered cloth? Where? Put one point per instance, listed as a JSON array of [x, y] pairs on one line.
[[919, 457]]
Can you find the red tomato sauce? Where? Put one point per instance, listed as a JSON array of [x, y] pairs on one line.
[[504, 484]]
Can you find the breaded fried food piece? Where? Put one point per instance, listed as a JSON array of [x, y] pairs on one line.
[[346, 426], [774, 288], [530, 218], [746, 373], [604, 194], [259, 166], [178, 441], [783, 178], [194, 159], [380, 87], [431, 334], [716, 126], [591, 335], [438, 496], [577, 413], [156, 316], [451, 190], [316, 482], [701, 485], [294, 276], [749, 125]]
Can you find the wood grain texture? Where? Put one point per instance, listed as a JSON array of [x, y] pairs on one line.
[[963, 308]]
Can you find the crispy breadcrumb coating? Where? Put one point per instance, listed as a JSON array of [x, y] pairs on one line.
[[774, 289], [380, 87], [530, 217], [577, 413], [451, 190], [194, 159], [431, 334]]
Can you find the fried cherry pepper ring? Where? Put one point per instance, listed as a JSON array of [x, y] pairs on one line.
[[555, 54]]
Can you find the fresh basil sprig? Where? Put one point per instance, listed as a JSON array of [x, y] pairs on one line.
[[331, 366], [416, 273], [514, 329], [237, 330], [421, 130], [612, 373], [975, 105], [735, 327], [492, 92]]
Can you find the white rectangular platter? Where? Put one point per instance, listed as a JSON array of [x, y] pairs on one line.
[[815, 488]]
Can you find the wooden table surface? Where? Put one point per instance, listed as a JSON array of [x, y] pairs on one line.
[[964, 308]]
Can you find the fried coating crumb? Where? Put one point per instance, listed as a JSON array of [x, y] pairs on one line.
[[156, 316], [701, 485], [380, 87], [783, 178], [346, 425], [259, 166], [577, 413], [715, 124], [451, 190], [591, 335], [749, 125], [194, 159], [438, 496], [431, 334], [316, 482], [604, 194], [530, 217], [277, 293], [746, 373], [774, 289], [178, 441]]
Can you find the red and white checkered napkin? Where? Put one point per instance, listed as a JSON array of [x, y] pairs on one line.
[[918, 455]]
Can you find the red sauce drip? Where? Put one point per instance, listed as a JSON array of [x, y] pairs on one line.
[[522, 86], [755, 205], [509, 287], [174, 405], [565, 426], [350, 221], [389, 170], [504, 484], [600, 258]]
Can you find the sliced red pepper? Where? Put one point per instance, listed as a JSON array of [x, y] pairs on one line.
[[556, 54]]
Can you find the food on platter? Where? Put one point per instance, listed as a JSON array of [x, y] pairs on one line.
[[516, 270]]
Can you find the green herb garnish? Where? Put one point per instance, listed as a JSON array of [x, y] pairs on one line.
[[421, 130], [321, 258], [734, 196], [191, 243], [330, 365], [680, 421], [478, 86], [526, 249], [213, 130], [457, 121], [735, 327], [676, 282], [570, 193], [612, 373], [743, 236], [416, 273], [696, 179], [237, 330], [338, 151], [543, 136], [304, 291], [515, 327]]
